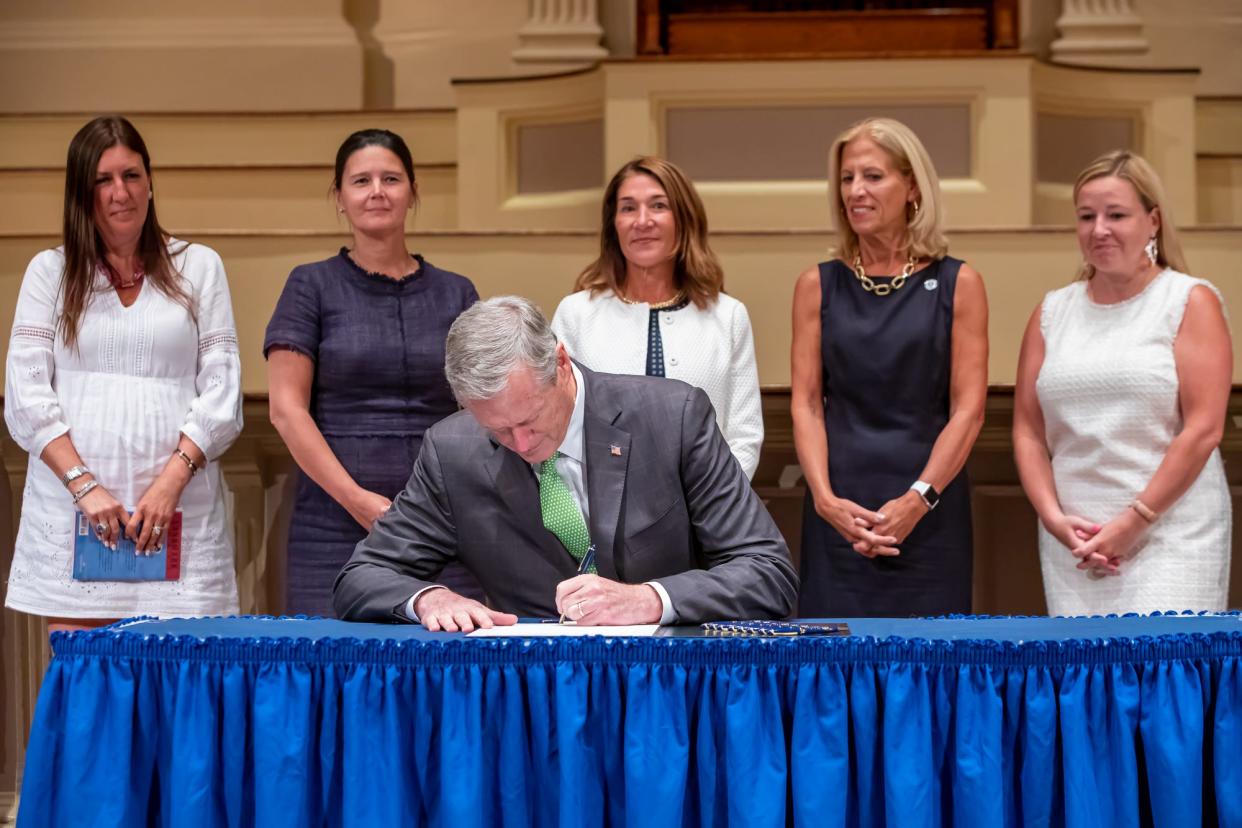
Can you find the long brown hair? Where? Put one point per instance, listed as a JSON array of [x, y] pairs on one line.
[[84, 248], [697, 271], [1132, 167]]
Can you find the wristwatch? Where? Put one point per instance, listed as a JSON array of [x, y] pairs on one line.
[[931, 497], [73, 474]]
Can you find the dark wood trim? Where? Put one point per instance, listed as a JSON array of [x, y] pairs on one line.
[[943, 54], [650, 40], [669, 30], [1003, 29]]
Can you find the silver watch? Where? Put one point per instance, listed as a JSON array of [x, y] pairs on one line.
[[73, 474], [925, 490]]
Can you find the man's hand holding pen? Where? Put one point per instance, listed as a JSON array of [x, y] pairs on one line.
[[585, 599], [590, 600]]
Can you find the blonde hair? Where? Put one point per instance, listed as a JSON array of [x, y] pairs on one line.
[[697, 271], [925, 237], [1131, 167]]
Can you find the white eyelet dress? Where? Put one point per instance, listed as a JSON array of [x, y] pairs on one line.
[[138, 379], [1108, 389]]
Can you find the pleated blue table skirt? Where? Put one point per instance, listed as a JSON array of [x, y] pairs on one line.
[[966, 722]]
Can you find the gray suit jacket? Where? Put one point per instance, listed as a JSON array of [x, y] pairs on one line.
[[672, 506]]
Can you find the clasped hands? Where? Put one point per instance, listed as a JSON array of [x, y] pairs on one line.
[[584, 599], [876, 533], [155, 509], [1101, 549]]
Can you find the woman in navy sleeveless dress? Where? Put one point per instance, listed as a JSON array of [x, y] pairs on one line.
[[356, 364], [889, 383]]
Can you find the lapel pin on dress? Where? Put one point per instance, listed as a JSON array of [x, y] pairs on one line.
[[930, 284], [615, 451]]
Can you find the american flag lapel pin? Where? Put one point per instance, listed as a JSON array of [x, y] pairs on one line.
[[615, 451]]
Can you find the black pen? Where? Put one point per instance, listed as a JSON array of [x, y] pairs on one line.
[[584, 566]]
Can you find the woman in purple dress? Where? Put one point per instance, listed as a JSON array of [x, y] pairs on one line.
[[355, 353]]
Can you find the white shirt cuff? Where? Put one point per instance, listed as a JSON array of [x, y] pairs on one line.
[[409, 605], [667, 616]]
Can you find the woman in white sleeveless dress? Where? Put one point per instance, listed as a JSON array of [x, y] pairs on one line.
[[1123, 382]]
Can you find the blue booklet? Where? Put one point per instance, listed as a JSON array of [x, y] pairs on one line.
[[93, 561]]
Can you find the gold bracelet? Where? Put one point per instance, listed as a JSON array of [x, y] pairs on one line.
[[188, 461], [1144, 511]]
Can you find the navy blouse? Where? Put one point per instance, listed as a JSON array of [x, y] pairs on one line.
[[377, 343]]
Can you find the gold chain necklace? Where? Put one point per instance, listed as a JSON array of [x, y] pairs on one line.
[[667, 303], [882, 289]]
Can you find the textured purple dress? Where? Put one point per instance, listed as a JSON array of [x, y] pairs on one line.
[[378, 348]]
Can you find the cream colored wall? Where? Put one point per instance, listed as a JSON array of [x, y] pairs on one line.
[[258, 173], [1206, 34], [177, 56]]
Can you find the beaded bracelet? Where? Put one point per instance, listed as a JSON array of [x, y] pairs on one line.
[[90, 486], [188, 461]]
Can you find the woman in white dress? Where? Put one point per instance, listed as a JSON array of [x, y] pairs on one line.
[[654, 303], [1123, 381], [123, 383]]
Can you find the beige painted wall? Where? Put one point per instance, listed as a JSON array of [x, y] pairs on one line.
[[177, 56], [1201, 33]]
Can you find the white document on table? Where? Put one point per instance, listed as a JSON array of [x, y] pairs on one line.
[[556, 630]]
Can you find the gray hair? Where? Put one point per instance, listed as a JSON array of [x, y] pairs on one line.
[[492, 338]]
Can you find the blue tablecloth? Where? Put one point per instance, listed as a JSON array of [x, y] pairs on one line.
[[273, 722]]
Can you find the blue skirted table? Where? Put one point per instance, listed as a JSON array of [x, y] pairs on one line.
[[961, 721]]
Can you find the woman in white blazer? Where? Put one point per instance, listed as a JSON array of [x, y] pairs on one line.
[[654, 302]]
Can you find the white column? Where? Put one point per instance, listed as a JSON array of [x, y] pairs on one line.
[[1098, 31], [561, 31]]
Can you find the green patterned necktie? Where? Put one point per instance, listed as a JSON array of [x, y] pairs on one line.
[[561, 515]]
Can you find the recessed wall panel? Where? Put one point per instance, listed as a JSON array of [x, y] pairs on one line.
[[1065, 144], [791, 143], [560, 156]]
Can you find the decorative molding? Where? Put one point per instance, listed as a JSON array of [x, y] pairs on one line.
[[1098, 29], [561, 31]]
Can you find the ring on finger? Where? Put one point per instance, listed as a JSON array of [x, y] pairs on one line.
[[157, 530], [578, 608], [100, 528]]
